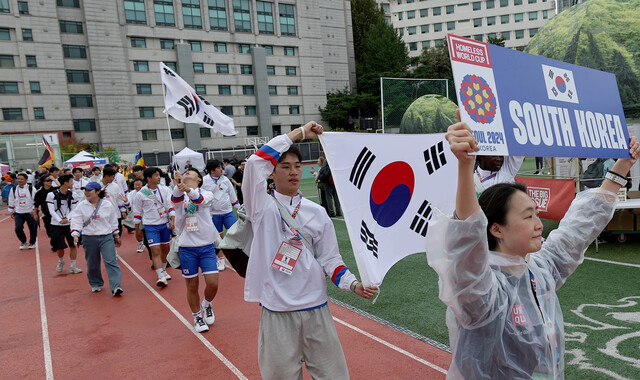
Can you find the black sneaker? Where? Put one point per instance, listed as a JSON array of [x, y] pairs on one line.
[[117, 291]]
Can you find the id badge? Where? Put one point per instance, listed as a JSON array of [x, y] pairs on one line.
[[191, 223], [162, 211], [286, 258]]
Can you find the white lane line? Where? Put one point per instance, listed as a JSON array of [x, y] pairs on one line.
[[2, 220], [392, 346], [612, 262], [48, 366], [207, 344]]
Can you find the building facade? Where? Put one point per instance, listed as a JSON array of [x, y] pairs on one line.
[[89, 69]]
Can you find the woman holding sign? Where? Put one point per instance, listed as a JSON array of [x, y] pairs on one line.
[[499, 283]]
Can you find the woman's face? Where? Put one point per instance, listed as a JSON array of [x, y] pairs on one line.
[[522, 232], [91, 195]]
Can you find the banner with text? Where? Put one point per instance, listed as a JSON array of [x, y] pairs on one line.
[[553, 196], [521, 104]]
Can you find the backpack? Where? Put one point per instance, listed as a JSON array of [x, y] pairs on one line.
[[16, 186], [594, 174], [59, 197]]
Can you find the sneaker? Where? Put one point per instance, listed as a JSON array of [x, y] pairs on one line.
[[166, 275], [60, 266], [75, 270], [117, 291], [199, 325], [207, 311], [162, 282], [96, 289], [220, 263], [140, 247], [23, 246], [32, 246]]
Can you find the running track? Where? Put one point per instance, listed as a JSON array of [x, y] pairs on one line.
[[52, 326]]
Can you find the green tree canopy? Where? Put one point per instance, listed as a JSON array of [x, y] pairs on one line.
[[364, 15]]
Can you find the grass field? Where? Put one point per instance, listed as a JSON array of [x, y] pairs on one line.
[[602, 342]]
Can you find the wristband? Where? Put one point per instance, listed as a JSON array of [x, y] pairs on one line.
[[303, 134], [354, 284], [617, 178]]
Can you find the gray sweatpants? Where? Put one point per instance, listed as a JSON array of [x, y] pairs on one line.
[[286, 339], [105, 245]]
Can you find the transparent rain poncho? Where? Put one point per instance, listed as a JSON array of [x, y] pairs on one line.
[[503, 313]]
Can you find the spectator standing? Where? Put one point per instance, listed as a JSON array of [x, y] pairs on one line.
[[229, 169], [323, 198], [326, 179], [237, 181], [21, 208]]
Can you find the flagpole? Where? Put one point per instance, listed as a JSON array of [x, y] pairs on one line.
[[164, 93]]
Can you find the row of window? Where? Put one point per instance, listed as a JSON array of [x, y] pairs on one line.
[[164, 13], [149, 112], [23, 6], [475, 5], [221, 68], [477, 22], [218, 47], [16, 113], [223, 89], [518, 35]]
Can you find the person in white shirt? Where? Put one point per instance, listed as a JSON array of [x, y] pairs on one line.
[[153, 208], [55, 173], [79, 181], [285, 275], [96, 220], [61, 203], [137, 186], [114, 194], [224, 200], [21, 202], [95, 175], [196, 240], [495, 169], [119, 178]]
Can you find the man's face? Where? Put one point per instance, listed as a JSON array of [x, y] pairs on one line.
[[21, 180], [137, 185], [241, 167], [287, 174], [55, 173], [77, 175], [69, 183], [217, 172], [138, 174], [96, 172], [154, 179], [491, 163]]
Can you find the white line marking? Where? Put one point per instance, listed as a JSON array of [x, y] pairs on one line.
[[612, 262], [43, 317], [393, 347], [5, 218], [207, 344]]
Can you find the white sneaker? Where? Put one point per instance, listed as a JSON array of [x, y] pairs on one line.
[[23, 246], [96, 289], [140, 247], [166, 275], [162, 282], [199, 324], [60, 266], [75, 270], [207, 311], [32, 246], [220, 263]]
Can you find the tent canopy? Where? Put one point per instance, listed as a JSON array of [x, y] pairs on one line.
[[84, 160], [187, 155]]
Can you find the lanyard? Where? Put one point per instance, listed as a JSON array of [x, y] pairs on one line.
[[293, 215], [25, 192], [159, 192], [190, 207], [533, 289], [487, 177]]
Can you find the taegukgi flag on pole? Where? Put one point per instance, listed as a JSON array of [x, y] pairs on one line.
[[183, 104], [389, 186]]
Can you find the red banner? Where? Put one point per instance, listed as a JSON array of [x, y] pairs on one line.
[[553, 196]]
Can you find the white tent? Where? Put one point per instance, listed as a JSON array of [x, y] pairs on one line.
[[84, 160], [194, 158]]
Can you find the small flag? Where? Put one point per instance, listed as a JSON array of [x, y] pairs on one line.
[[360, 168], [560, 84], [139, 160], [420, 222], [48, 157], [434, 157]]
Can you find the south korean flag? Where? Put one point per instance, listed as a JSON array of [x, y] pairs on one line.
[[389, 187], [560, 84]]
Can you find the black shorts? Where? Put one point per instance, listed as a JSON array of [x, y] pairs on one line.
[[61, 237]]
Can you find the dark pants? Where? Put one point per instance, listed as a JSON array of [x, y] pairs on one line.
[[105, 245], [31, 223], [332, 198], [539, 163]]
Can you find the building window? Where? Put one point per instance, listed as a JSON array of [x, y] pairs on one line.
[[167, 44], [292, 90], [23, 9], [545, 14], [505, 35], [140, 65], [74, 51], [477, 22], [31, 61], [517, 2], [191, 14], [425, 44], [217, 14], [276, 130], [246, 69], [244, 48], [413, 46], [27, 35], [411, 15], [248, 90], [519, 34], [294, 110], [477, 5], [399, 16], [224, 89], [172, 65], [504, 3], [290, 70], [275, 110], [252, 130], [69, 3], [532, 1], [134, 12], [518, 17], [34, 86], [205, 133], [401, 32], [424, 12], [449, 9], [533, 32], [177, 133], [242, 15], [84, 125], [222, 68], [38, 113], [249, 110], [268, 49], [491, 4], [12, 87], [478, 37], [81, 101], [143, 89], [451, 25], [71, 27], [533, 16], [491, 20], [78, 76], [412, 30], [4, 6], [138, 42], [273, 90], [201, 89], [164, 12], [6, 61], [504, 19], [220, 47], [437, 27], [12, 113], [424, 29], [5, 34], [265, 17], [227, 110], [437, 11], [287, 20], [195, 45], [289, 51], [198, 67], [149, 134]]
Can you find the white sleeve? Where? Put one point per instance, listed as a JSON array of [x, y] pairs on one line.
[[232, 193], [12, 200], [136, 207], [51, 205], [328, 256], [76, 221]]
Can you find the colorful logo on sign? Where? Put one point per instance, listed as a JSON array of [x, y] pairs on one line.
[[477, 98], [391, 193]]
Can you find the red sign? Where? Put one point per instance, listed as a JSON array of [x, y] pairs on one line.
[[553, 196], [469, 51]]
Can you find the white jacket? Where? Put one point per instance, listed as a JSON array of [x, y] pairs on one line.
[[146, 207], [21, 199], [201, 199], [65, 210], [105, 221], [224, 196]]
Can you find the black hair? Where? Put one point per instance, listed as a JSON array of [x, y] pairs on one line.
[[77, 169], [95, 168], [23, 175], [53, 169], [292, 150], [149, 172], [44, 176], [137, 168], [226, 160], [212, 165], [197, 172], [65, 178], [108, 171], [494, 202], [137, 179]]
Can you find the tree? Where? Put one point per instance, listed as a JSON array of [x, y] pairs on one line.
[[494, 40], [364, 15], [338, 109], [434, 63]]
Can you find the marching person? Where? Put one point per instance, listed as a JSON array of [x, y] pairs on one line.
[[196, 244], [284, 275], [153, 208], [499, 281], [79, 181], [114, 194], [21, 202], [40, 203], [137, 186], [61, 203], [97, 222]]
